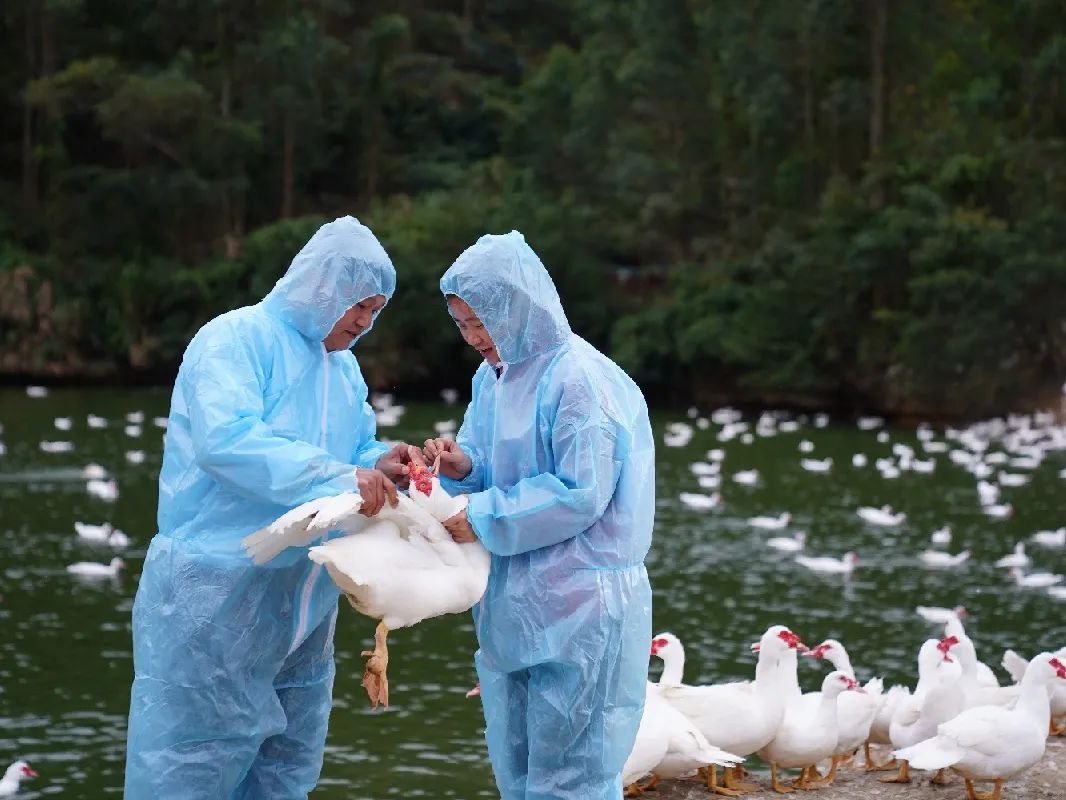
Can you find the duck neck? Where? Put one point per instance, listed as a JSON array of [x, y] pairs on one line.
[[840, 661], [776, 677], [1033, 698], [827, 710], [673, 667]]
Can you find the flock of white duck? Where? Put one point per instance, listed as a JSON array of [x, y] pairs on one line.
[[1022, 442], [956, 717]]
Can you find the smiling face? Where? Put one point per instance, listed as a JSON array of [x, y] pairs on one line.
[[354, 321], [471, 329]]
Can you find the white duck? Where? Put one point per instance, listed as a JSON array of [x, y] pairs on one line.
[[748, 477], [1058, 592], [938, 558], [788, 544], [1000, 511], [803, 739], [1016, 666], [106, 490], [740, 717], [1055, 538], [771, 523], [987, 493], [816, 465], [14, 775], [976, 674], [826, 564], [399, 567], [93, 472], [935, 615], [101, 534], [880, 728], [937, 698], [90, 569], [668, 745], [941, 536], [700, 502], [881, 516], [994, 743], [709, 481], [1018, 558], [56, 447], [1012, 479], [1034, 580], [858, 460], [855, 710]]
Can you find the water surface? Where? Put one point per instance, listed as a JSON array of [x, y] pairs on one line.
[[65, 657]]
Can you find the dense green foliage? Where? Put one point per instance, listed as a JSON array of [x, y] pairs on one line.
[[861, 203]]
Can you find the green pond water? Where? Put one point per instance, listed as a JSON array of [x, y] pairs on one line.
[[65, 651]]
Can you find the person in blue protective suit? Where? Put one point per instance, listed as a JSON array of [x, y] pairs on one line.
[[233, 662], [557, 454]]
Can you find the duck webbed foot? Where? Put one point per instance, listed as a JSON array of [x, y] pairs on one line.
[[873, 766], [375, 677], [776, 785], [732, 780], [903, 776], [941, 778], [710, 772]]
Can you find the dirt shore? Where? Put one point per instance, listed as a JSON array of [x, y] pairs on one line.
[[1045, 781]]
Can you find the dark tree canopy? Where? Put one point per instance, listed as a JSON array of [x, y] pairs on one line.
[[859, 203]]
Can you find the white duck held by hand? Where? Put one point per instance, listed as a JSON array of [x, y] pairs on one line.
[[400, 566]]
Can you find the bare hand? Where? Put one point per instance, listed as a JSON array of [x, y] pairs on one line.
[[454, 462], [458, 525], [374, 487], [395, 463]]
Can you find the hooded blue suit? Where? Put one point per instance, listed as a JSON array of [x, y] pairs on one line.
[[563, 497], [233, 662]]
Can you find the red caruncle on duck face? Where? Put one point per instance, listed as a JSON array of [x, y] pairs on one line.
[[421, 478], [789, 638], [946, 645]]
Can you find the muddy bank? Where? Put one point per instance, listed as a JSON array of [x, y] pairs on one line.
[[1045, 781]]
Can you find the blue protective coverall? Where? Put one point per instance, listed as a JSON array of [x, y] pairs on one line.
[[234, 662], [563, 485]]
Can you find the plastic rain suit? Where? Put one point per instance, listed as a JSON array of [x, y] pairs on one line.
[[563, 490], [233, 662]]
